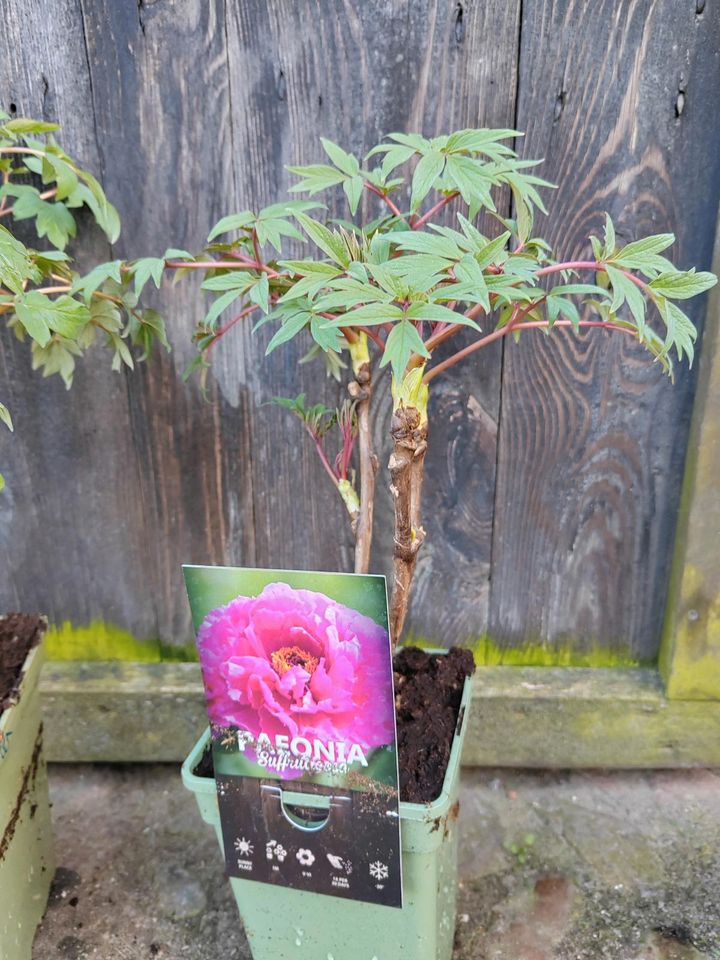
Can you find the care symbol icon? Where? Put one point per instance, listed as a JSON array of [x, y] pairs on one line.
[[305, 857], [275, 851], [244, 846], [379, 871]]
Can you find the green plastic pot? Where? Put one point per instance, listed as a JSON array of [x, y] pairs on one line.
[[26, 847], [284, 924]]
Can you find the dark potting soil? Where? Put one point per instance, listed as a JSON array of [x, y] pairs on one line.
[[428, 691], [19, 633]]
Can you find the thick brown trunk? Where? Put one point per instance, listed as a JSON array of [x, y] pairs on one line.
[[360, 389], [409, 433]]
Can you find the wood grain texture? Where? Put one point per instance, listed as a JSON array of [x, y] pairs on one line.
[[190, 109], [592, 437]]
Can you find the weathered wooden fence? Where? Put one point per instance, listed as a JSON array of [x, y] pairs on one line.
[[552, 495]]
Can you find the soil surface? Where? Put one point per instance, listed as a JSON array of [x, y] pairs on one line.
[[428, 691], [19, 633]]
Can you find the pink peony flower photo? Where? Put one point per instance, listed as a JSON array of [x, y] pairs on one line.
[[305, 679]]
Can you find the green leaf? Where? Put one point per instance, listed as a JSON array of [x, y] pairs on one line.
[[369, 315], [316, 177], [172, 253], [60, 170], [353, 191], [681, 332], [468, 272], [403, 340], [329, 242], [634, 253], [235, 221], [425, 242], [291, 326], [625, 291], [259, 293], [91, 194], [428, 169], [53, 220], [41, 316], [222, 303], [327, 338], [342, 160], [239, 280], [21, 125], [88, 284], [145, 268], [15, 264], [437, 313], [610, 241], [5, 417], [678, 285], [471, 180]]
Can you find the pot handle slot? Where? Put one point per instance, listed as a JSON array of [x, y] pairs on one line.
[[307, 813]]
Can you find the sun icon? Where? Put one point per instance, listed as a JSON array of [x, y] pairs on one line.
[[244, 846]]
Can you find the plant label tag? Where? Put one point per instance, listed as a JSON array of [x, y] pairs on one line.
[[297, 668]]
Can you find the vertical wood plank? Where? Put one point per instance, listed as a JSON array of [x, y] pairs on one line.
[[160, 86], [592, 437], [72, 533], [690, 651]]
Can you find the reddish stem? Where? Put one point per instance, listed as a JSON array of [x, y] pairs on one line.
[[231, 323], [503, 331], [383, 196], [433, 210], [323, 456]]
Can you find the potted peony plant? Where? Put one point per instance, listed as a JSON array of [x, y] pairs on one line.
[[387, 294], [62, 313]]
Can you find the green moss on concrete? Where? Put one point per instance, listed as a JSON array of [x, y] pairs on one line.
[[488, 653], [98, 641]]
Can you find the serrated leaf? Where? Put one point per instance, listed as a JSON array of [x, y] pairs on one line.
[[144, 269], [15, 264], [681, 332], [471, 180], [633, 253], [403, 340], [427, 171], [40, 316], [678, 285]]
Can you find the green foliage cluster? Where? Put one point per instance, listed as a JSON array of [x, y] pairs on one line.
[[399, 281]]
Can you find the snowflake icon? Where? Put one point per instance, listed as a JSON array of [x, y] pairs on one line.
[[379, 871], [244, 846], [305, 857], [275, 851]]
